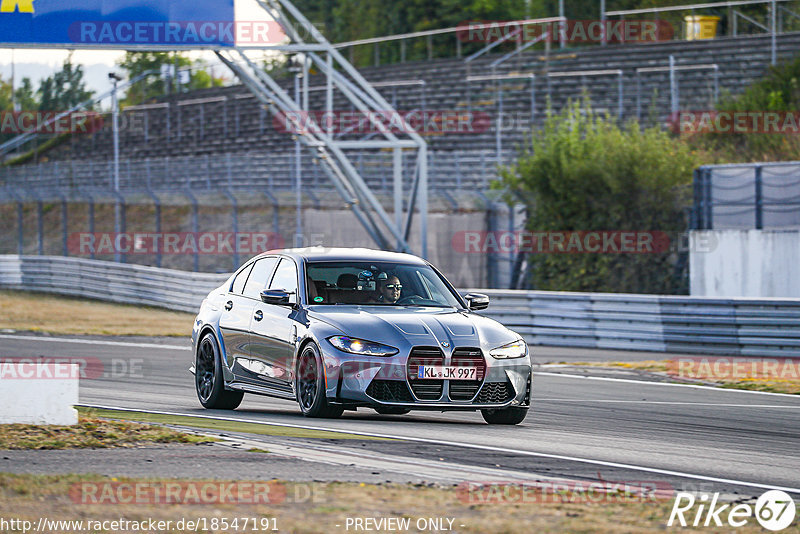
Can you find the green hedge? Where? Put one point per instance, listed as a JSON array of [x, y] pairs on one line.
[[583, 172]]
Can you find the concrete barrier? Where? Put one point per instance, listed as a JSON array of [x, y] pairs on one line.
[[38, 393]]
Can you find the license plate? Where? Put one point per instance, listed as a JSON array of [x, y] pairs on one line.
[[439, 372]]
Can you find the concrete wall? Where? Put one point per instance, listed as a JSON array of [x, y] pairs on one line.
[[745, 263], [38, 393]]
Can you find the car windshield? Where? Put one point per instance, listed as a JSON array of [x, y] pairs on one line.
[[377, 283]]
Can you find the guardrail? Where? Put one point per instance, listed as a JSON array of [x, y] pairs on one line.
[[108, 281], [738, 326]]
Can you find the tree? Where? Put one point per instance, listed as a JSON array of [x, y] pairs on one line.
[[25, 95], [201, 79], [64, 89], [777, 91], [5, 95], [137, 63], [154, 86], [584, 173]]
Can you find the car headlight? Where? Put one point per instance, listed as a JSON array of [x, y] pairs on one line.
[[515, 349], [359, 346]]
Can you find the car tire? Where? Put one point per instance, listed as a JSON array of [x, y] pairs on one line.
[[310, 385], [506, 416], [208, 380], [391, 410]]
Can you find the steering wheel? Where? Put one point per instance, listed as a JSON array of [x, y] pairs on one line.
[[409, 299]]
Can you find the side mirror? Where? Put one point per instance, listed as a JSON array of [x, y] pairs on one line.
[[477, 301], [275, 296]]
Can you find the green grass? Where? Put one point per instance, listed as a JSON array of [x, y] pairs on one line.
[[90, 433], [222, 426]]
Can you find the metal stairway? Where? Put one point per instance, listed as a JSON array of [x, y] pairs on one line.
[[331, 148]]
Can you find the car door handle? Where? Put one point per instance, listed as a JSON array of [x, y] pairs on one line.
[[229, 305], [259, 315]]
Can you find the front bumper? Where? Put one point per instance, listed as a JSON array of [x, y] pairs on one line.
[[373, 381]]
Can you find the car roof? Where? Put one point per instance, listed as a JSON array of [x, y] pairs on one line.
[[346, 254]]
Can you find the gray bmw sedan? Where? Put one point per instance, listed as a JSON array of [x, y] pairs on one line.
[[338, 329]]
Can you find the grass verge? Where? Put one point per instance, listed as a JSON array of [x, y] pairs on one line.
[[220, 425], [744, 378], [90, 432], [41, 312], [325, 507]]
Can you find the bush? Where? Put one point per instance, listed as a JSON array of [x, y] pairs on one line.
[[778, 90], [583, 172]]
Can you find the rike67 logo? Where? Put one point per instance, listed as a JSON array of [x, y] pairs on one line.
[[774, 510]]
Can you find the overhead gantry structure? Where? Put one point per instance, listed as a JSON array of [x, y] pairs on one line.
[[334, 149]]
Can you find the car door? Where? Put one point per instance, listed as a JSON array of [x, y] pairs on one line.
[[273, 330], [234, 322], [237, 313]]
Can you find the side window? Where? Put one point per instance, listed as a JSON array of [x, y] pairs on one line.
[[241, 278], [286, 278], [257, 281]]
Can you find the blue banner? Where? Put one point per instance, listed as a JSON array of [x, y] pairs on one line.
[[118, 23]]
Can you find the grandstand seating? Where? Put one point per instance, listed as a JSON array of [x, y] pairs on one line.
[[186, 138]]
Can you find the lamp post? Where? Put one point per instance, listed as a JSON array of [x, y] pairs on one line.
[[115, 126], [296, 69], [115, 130]]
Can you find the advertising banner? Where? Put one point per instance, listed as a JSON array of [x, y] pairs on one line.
[[117, 23]]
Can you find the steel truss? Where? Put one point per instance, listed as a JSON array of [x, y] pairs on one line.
[[314, 51]]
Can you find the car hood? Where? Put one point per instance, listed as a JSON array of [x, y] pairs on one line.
[[416, 326]]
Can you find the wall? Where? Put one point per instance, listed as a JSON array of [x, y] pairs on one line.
[[745, 263]]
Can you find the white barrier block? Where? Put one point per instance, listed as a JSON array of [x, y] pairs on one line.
[[38, 393]]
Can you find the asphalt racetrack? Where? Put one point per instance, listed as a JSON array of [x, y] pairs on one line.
[[693, 438]]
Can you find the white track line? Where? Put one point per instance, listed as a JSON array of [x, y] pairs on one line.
[[666, 384], [588, 401], [97, 342], [465, 445], [535, 372]]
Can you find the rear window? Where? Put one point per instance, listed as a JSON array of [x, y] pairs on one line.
[[257, 281], [241, 278]]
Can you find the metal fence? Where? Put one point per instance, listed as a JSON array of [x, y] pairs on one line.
[[771, 17], [243, 171], [740, 326], [743, 196]]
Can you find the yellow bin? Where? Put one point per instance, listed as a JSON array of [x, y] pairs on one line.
[[701, 27]]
